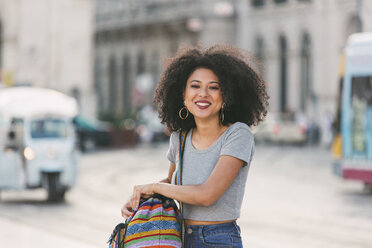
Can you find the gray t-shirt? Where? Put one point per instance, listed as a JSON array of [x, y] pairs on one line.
[[236, 141]]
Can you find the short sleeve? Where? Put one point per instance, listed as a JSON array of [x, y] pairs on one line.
[[173, 147], [239, 143]]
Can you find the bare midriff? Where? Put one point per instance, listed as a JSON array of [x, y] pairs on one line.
[[198, 222]]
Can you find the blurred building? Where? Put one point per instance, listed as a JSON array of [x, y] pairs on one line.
[[48, 43], [133, 37], [300, 43]]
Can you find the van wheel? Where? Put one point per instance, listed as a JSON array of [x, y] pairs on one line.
[[54, 188], [368, 188], [89, 145]]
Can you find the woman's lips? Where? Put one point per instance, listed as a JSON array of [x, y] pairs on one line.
[[202, 104]]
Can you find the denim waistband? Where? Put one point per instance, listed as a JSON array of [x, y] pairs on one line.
[[211, 229]]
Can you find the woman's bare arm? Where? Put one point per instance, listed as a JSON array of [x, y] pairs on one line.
[[172, 168], [205, 194]]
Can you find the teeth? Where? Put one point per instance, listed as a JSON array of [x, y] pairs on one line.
[[202, 104]]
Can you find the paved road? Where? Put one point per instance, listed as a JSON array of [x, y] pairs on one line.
[[292, 200]]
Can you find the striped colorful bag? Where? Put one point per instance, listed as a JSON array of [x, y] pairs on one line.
[[156, 223]]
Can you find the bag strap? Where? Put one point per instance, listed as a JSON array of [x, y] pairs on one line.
[[117, 237], [181, 149], [180, 155]]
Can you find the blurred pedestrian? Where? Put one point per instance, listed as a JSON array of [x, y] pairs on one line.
[[215, 95], [368, 118]]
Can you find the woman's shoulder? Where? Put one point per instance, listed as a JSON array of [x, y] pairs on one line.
[[238, 131], [175, 136], [239, 127]]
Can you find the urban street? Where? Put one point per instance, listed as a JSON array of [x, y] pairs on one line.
[[292, 200]]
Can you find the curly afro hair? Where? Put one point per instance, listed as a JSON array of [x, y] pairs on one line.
[[243, 90]]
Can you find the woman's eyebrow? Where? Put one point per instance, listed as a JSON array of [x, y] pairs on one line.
[[195, 80], [211, 82]]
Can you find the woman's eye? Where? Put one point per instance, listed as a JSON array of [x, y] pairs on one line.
[[214, 88], [195, 86]]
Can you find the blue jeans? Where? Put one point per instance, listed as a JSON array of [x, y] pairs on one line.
[[220, 235]]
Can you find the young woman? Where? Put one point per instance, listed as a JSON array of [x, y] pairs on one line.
[[214, 95]]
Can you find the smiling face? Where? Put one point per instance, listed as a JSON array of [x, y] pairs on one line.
[[203, 95]]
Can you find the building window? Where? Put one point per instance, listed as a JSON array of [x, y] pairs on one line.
[[283, 73], [141, 64], [155, 70], [260, 53], [355, 25], [98, 84], [112, 84], [127, 101], [1, 48], [305, 71], [76, 93], [258, 3], [280, 1]]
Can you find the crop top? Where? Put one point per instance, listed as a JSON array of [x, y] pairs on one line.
[[237, 141]]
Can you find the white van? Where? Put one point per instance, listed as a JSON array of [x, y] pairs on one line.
[[37, 140]]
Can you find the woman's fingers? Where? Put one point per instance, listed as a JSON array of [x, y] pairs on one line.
[[138, 191], [126, 210], [135, 197], [134, 200], [125, 213]]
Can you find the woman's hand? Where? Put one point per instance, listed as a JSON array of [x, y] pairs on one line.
[[139, 191], [126, 210]]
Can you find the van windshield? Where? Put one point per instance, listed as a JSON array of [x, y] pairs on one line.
[[50, 128], [361, 122]]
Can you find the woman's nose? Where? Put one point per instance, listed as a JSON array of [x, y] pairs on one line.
[[203, 91]]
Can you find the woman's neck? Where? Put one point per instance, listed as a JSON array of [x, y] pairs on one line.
[[206, 133]]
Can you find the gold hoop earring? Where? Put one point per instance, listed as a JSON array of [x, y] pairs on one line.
[[222, 114], [180, 113]]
